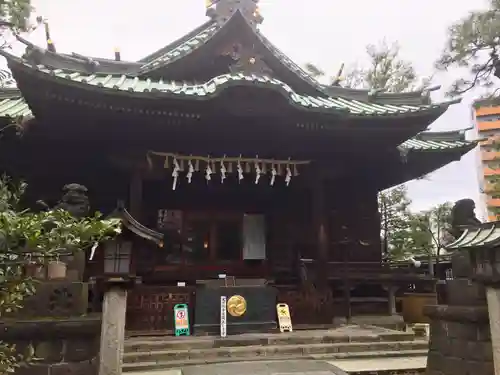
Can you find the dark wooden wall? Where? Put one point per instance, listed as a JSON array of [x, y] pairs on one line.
[[354, 223]]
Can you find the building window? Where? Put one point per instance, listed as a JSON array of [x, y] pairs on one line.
[[488, 118], [449, 274], [229, 244], [117, 256], [204, 236]]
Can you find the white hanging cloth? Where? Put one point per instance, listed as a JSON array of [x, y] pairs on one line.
[[223, 171], [175, 174], [239, 168], [208, 172], [288, 176], [273, 175], [258, 172], [190, 172]]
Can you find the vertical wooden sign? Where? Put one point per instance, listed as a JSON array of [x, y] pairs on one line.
[[223, 316]]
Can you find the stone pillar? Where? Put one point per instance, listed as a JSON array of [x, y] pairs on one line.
[[391, 300], [493, 298], [113, 331]]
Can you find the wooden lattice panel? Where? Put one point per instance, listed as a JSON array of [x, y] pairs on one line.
[[150, 308]]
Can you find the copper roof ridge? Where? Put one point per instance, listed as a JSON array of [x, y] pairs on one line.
[[175, 43]]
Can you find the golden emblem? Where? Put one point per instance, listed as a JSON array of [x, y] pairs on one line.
[[236, 306]]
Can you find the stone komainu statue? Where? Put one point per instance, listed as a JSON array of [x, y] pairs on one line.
[[75, 200], [462, 214]]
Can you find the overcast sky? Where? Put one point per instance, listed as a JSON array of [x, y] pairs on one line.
[[326, 32]]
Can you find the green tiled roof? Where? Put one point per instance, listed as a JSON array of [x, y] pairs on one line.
[[165, 56], [433, 145], [182, 49], [12, 104], [486, 235], [197, 38], [201, 35], [150, 87]]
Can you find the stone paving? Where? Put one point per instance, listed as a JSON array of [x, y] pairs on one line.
[[386, 364], [299, 367], [266, 368]]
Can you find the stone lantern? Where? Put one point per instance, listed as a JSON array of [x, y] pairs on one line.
[[118, 276], [482, 244]]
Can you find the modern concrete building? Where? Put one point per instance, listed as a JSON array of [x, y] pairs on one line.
[[487, 114]]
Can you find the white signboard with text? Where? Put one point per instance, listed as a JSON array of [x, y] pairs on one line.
[[223, 316]]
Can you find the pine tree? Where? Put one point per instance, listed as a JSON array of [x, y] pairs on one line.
[[473, 43], [16, 13], [385, 71]]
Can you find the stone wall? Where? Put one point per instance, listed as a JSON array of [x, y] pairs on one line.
[[460, 342], [56, 324], [65, 346]]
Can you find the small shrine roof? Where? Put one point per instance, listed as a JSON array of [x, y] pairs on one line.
[[437, 141], [129, 222], [145, 87], [484, 235], [12, 105]]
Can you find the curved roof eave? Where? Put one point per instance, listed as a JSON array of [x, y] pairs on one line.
[[145, 88], [476, 237], [77, 62], [12, 105], [418, 97]]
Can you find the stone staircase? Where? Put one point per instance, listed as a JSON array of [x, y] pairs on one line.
[[349, 343]]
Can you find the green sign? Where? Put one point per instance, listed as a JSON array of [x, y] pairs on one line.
[[181, 320]]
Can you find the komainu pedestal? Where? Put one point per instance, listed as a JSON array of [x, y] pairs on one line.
[[460, 342]]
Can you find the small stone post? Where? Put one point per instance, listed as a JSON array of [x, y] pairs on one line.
[[113, 331], [391, 299]]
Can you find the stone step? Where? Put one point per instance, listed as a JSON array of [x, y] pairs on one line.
[[151, 365], [245, 352], [191, 342]]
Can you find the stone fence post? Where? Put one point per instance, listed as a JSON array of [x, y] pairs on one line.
[[113, 330]]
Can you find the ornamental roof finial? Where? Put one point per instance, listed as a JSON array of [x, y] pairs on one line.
[[221, 10], [50, 44]]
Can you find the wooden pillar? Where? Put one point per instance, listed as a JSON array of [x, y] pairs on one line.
[[113, 331], [213, 242], [320, 228], [135, 195]]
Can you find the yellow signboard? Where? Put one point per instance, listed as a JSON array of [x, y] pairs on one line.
[[284, 319]]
